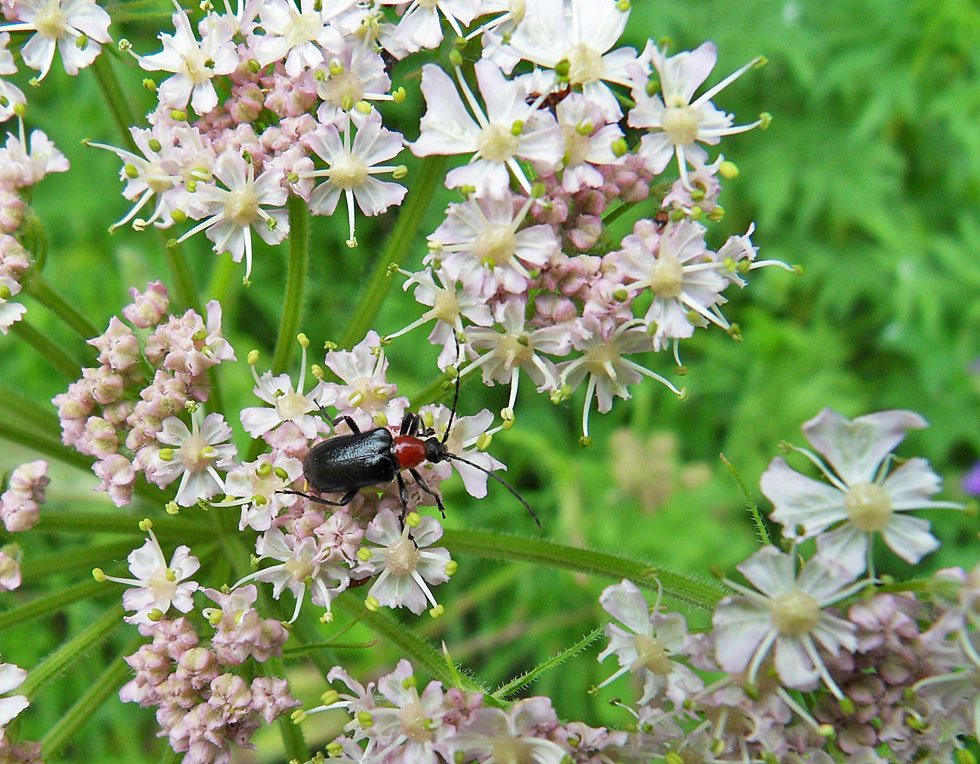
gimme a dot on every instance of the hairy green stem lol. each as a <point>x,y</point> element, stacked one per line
<point>30,411</point>
<point>72,650</point>
<point>122,114</point>
<point>173,528</point>
<point>702,594</point>
<point>37,287</point>
<point>182,274</point>
<point>107,683</point>
<point>57,358</point>
<point>292,734</point>
<point>292,308</point>
<point>400,242</point>
<point>82,558</point>
<point>49,603</point>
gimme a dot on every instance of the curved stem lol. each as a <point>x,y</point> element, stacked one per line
<point>400,242</point>
<point>37,287</point>
<point>292,308</point>
<point>58,358</point>
<point>702,594</point>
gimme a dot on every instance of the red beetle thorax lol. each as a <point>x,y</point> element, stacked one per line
<point>409,451</point>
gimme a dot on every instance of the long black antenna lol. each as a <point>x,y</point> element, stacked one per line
<point>500,480</point>
<point>452,411</point>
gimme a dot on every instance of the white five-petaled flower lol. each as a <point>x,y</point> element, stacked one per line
<point>286,404</point>
<point>788,614</point>
<point>407,568</point>
<point>302,565</point>
<point>414,726</point>
<point>578,34</point>
<point>510,129</point>
<point>157,585</point>
<point>78,28</point>
<point>420,27</point>
<point>236,209</point>
<point>193,63</point>
<point>11,677</point>
<point>191,454</point>
<point>503,737</point>
<point>299,35</point>
<point>468,433</point>
<point>650,646</point>
<point>350,169</point>
<point>257,487</point>
<point>678,121</point>
<point>863,498</point>
<point>481,244</point>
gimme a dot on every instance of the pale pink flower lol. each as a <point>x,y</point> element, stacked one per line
<point>11,677</point>
<point>420,27</point>
<point>10,577</point>
<point>78,28</point>
<point>406,567</point>
<point>510,129</point>
<point>299,35</point>
<point>286,404</point>
<point>157,585</point>
<point>463,441</point>
<point>260,485</point>
<point>414,727</point>
<point>863,498</point>
<point>350,79</point>
<point>23,164</point>
<point>232,212</point>
<point>491,732</point>
<point>789,615</point>
<point>678,121</point>
<point>350,169</point>
<point>194,64</point>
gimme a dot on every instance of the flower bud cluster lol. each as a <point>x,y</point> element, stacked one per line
<point>202,705</point>
<point>124,412</point>
<point>25,491</point>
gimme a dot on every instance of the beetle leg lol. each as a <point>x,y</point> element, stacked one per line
<point>333,422</point>
<point>402,493</point>
<point>344,501</point>
<point>425,487</point>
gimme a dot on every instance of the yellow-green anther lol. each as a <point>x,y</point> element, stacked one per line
<point>336,67</point>
<point>356,399</point>
<point>846,706</point>
<point>428,419</point>
<point>303,340</point>
<point>760,61</point>
<point>130,170</point>
<point>517,127</point>
<point>380,420</point>
<point>170,575</point>
<point>623,5</point>
<point>154,144</point>
<point>178,115</point>
<point>329,697</point>
<point>619,147</point>
<point>698,194</point>
<point>281,473</point>
<point>363,107</point>
<point>766,119</point>
<point>371,604</point>
<point>99,575</point>
<point>272,224</point>
<point>437,611</point>
<point>400,172</point>
<point>621,295</point>
<point>208,452</point>
<point>585,441</point>
<point>320,76</point>
<point>335,749</point>
<point>455,57</point>
<point>5,102</point>
<point>680,371</point>
<point>398,95</point>
<point>213,615</point>
<point>652,86</point>
<point>364,718</point>
<point>451,567</point>
<point>483,442</point>
<point>729,264</point>
<point>254,66</point>
<point>562,68</point>
<point>292,177</point>
<point>81,42</point>
<point>412,519</point>
<point>5,293</point>
<point>317,370</point>
<point>410,681</point>
<point>150,85</point>
<point>718,213</point>
<point>166,454</point>
<point>171,508</point>
<point>252,357</point>
<point>155,615</point>
<point>363,554</point>
<point>585,127</point>
<point>728,170</point>
<point>263,469</point>
<point>259,500</point>
<point>298,716</point>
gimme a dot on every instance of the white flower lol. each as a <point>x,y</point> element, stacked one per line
<point>679,120</point>
<point>510,130</point>
<point>234,212</point>
<point>260,485</point>
<point>788,614</point>
<point>302,565</point>
<point>415,725</point>
<point>349,170</point>
<point>298,35</point>
<point>463,440</point>
<point>11,677</point>
<point>193,64</point>
<point>651,645</point>
<point>482,245</point>
<point>406,567</point>
<point>191,454</point>
<point>285,404</point>
<point>419,26</point>
<point>23,164</point>
<point>863,498</point>
<point>157,585</point>
<point>502,737</point>
<point>578,34</point>
<point>355,77</point>
<point>76,27</point>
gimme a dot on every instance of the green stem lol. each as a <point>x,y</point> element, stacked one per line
<point>26,408</point>
<point>72,650</point>
<point>416,649</point>
<point>182,274</point>
<point>760,523</point>
<point>49,603</point>
<point>172,528</point>
<point>58,359</point>
<point>292,308</point>
<point>430,393</point>
<point>615,214</point>
<point>108,682</point>
<point>122,114</point>
<point>697,593</point>
<point>400,242</point>
<point>292,734</point>
<point>37,287</point>
<point>82,558</point>
<point>526,678</point>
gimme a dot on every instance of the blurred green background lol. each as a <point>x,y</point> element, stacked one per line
<point>868,178</point>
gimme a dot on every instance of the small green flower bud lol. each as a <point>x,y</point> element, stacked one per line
<point>562,68</point>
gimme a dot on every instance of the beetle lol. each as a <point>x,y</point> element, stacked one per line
<point>346,463</point>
